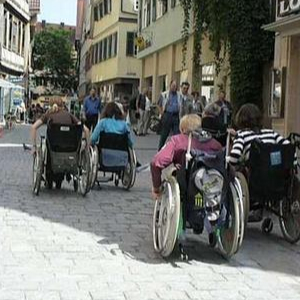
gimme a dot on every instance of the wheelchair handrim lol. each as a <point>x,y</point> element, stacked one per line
<point>164,242</point>
<point>228,250</point>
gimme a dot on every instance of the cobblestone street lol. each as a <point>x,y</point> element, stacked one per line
<point>60,246</point>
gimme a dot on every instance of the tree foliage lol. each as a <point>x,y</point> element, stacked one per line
<point>233,26</point>
<point>53,54</point>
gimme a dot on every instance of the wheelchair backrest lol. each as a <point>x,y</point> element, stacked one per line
<point>113,149</point>
<point>64,138</point>
<point>271,167</point>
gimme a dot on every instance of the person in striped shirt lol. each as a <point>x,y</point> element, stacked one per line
<point>249,123</point>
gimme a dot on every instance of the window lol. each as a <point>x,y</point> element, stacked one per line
<point>5,28</point>
<point>100,52</point>
<point>130,46</point>
<point>109,46</point>
<point>173,3</point>
<point>147,13</point>
<point>104,49</point>
<point>153,10</point>
<point>23,38</point>
<point>96,13</point>
<point>105,7</point>
<point>101,10</point>
<point>10,32</point>
<point>96,54</point>
<point>162,8</point>
<point>20,32</point>
<point>116,44</point>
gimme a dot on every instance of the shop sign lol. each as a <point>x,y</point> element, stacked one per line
<point>288,7</point>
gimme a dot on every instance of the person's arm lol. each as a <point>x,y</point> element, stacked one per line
<point>99,111</point>
<point>34,129</point>
<point>130,139</point>
<point>236,151</point>
<point>160,105</point>
<point>96,133</point>
<point>162,159</point>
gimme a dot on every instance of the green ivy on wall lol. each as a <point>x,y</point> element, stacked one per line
<point>233,26</point>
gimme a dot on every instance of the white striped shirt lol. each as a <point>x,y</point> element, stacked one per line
<point>242,143</point>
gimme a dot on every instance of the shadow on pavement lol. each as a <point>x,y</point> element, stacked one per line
<point>122,221</point>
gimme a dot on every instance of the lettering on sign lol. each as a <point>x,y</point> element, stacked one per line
<point>287,7</point>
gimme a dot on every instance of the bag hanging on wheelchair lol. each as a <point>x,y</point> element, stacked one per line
<point>205,196</point>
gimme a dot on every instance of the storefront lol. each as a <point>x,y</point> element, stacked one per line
<point>284,107</point>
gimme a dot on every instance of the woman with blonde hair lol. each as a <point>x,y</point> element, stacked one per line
<point>174,151</point>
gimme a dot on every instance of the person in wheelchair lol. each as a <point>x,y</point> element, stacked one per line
<point>174,151</point>
<point>55,115</point>
<point>249,122</point>
<point>112,121</point>
<point>212,122</point>
<point>202,193</point>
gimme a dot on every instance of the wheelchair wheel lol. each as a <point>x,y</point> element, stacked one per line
<point>290,219</point>
<point>246,195</point>
<point>166,219</point>
<point>228,234</point>
<point>37,171</point>
<point>241,215</point>
<point>84,172</point>
<point>94,165</point>
<point>129,174</point>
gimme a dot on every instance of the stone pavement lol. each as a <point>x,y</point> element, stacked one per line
<point>60,246</point>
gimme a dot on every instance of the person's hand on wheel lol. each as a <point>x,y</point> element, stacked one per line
<point>156,193</point>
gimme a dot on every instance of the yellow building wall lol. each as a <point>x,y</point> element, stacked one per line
<point>108,20</point>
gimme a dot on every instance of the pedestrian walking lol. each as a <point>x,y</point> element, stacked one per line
<point>141,107</point>
<point>226,108</point>
<point>91,109</point>
<point>147,115</point>
<point>186,101</point>
<point>169,106</point>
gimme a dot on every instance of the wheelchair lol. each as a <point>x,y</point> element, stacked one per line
<point>62,153</point>
<point>114,156</point>
<point>269,183</point>
<point>204,194</point>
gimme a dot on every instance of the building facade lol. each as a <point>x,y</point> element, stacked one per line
<point>84,42</point>
<point>284,107</point>
<point>14,45</point>
<point>160,50</point>
<point>114,69</point>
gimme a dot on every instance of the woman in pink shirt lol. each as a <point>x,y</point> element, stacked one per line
<point>174,151</point>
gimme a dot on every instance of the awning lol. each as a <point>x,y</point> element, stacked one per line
<point>8,85</point>
<point>286,26</point>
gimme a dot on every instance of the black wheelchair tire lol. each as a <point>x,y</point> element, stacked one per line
<point>246,195</point>
<point>289,221</point>
<point>128,182</point>
<point>84,170</point>
<point>37,170</point>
